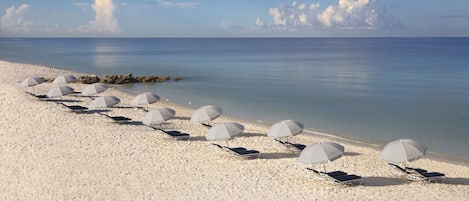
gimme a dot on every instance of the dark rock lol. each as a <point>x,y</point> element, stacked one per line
<point>48,79</point>
<point>148,79</point>
<point>88,79</point>
<point>107,79</point>
<point>120,79</point>
<point>164,79</point>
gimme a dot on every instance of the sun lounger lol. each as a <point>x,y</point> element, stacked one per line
<point>118,119</point>
<point>336,177</point>
<point>294,147</point>
<point>418,174</point>
<point>174,134</point>
<point>346,179</point>
<point>206,125</point>
<point>239,152</point>
<point>397,170</point>
<point>75,108</point>
<point>39,97</point>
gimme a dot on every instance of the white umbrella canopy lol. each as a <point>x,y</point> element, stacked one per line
<point>145,98</point>
<point>32,81</point>
<point>59,91</point>
<point>104,101</point>
<point>403,150</point>
<point>321,153</point>
<point>64,79</point>
<point>206,114</point>
<point>224,131</point>
<point>285,128</point>
<point>158,116</point>
<point>94,89</point>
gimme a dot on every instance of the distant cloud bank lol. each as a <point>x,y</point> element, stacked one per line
<point>347,14</point>
<point>14,19</point>
<point>170,4</point>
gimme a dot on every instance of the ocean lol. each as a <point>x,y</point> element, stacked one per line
<point>372,90</point>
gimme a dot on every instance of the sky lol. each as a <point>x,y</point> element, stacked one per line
<point>234,18</point>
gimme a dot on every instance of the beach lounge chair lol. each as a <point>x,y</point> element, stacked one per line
<point>418,174</point>
<point>294,147</point>
<point>239,152</point>
<point>336,177</point>
<point>118,119</point>
<point>75,108</point>
<point>40,97</point>
<point>344,179</point>
<point>397,170</point>
<point>174,134</point>
<point>206,125</point>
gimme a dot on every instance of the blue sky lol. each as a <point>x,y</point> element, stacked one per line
<point>234,18</point>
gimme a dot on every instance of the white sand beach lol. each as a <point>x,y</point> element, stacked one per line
<point>50,153</point>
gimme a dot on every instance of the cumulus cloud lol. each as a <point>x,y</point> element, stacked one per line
<point>104,19</point>
<point>347,14</point>
<point>170,4</point>
<point>14,19</point>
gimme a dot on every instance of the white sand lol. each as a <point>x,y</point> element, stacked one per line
<point>49,153</point>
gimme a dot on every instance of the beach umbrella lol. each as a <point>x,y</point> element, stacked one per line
<point>32,81</point>
<point>145,98</point>
<point>403,150</point>
<point>94,89</point>
<point>321,153</point>
<point>104,101</point>
<point>285,128</point>
<point>206,114</point>
<point>59,91</point>
<point>64,79</point>
<point>158,116</point>
<point>224,131</point>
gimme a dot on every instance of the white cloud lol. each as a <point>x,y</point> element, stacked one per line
<point>104,20</point>
<point>170,4</point>
<point>81,5</point>
<point>14,19</point>
<point>259,22</point>
<point>223,24</point>
<point>347,14</point>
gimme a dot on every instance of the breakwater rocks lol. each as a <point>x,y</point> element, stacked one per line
<point>122,79</point>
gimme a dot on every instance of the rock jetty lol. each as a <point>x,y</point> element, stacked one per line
<point>121,79</point>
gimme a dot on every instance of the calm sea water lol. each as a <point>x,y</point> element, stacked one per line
<point>368,89</point>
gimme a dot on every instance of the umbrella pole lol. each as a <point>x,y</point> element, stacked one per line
<point>227,143</point>
<point>324,166</point>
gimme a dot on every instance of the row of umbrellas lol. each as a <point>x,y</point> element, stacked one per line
<point>62,79</point>
<point>402,150</point>
<point>398,151</point>
<point>65,90</point>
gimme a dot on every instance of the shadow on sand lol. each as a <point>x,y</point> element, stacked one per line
<point>278,155</point>
<point>252,134</point>
<point>457,181</point>
<point>197,138</point>
<point>383,181</point>
<point>351,154</point>
<point>182,118</point>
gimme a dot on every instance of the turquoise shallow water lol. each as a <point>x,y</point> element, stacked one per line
<point>368,89</point>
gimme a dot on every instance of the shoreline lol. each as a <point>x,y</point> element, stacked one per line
<point>307,131</point>
<point>49,153</point>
